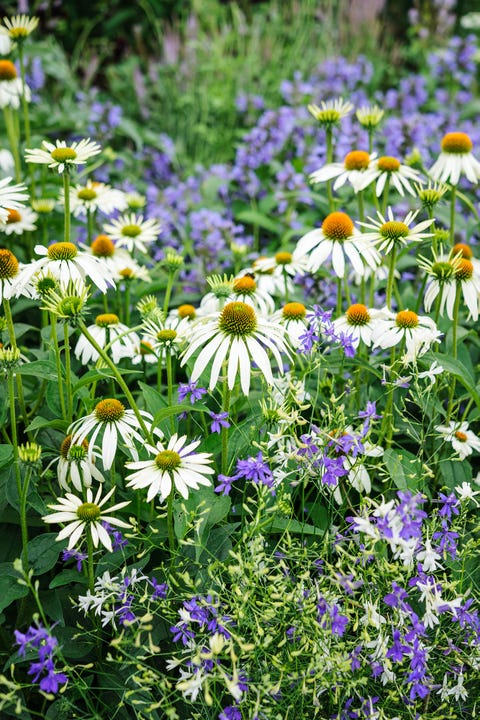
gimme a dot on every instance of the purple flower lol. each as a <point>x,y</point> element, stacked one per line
<point>219,421</point>
<point>225,484</point>
<point>159,589</point>
<point>256,470</point>
<point>190,388</point>
<point>39,638</point>
<point>75,555</point>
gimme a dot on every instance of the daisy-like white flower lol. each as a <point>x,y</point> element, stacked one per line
<point>86,516</point>
<point>456,159</point>
<point>350,170</point>
<point>330,112</point>
<point>108,253</point>
<point>293,316</point>
<point>281,264</point>
<point>66,263</point>
<point>339,240</point>
<point>63,156</point>
<point>109,333</point>
<point>167,336</point>
<point>358,323</point>
<point>389,233</point>
<point>7,163</point>
<point>246,290</point>
<point>446,272</point>
<point>18,27</point>
<point>144,352</point>
<point>9,270</point>
<point>238,336</point>
<point>11,86</point>
<point>95,196</point>
<point>75,467</point>
<point>133,232</point>
<point>418,332</point>
<point>19,221</point>
<point>389,168</point>
<point>11,197</point>
<point>369,116</point>
<point>463,440</point>
<point>110,419</point>
<point>174,465</point>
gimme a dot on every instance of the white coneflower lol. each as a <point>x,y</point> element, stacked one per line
<point>75,467</point>
<point>95,196</point>
<point>11,197</point>
<point>19,221</point>
<point>351,170</point>
<point>18,27</point>
<point>176,465</point>
<point>293,318</point>
<point>246,290</point>
<point>81,515</point>
<point>358,323</point>
<point>133,232</point>
<point>446,273</point>
<point>389,233</point>
<point>65,262</point>
<point>9,271</point>
<point>107,331</point>
<point>456,159</point>
<point>111,420</point>
<point>62,156</point>
<point>11,86</point>
<point>390,168</point>
<point>463,440</point>
<point>238,337</point>
<point>337,240</point>
<point>369,116</point>
<point>417,331</point>
<point>330,112</point>
<point>167,336</point>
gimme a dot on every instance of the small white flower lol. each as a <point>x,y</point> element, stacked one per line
<point>456,159</point>
<point>62,156</point>
<point>432,372</point>
<point>80,515</point>
<point>389,233</point>
<point>389,168</point>
<point>11,197</point>
<point>359,323</point>
<point>466,492</point>
<point>11,86</point>
<point>463,440</point>
<point>75,467</point>
<point>133,232</point>
<point>19,221</point>
<point>95,196</point>
<point>110,334</point>
<point>175,465</point>
<point>351,170</point>
<point>418,332</point>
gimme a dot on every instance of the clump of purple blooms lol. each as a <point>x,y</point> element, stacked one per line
<point>42,670</point>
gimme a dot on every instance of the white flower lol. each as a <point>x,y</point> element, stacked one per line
<point>417,331</point>
<point>19,27</point>
<point>110,334</point>
<point>428,557</point>
<point>432,372</point>
<point>339,240</point>
<point>246,290</point>
<point>358,323</point>
<point>236,336</point>
<point>110,419</point>
<point>81,515</point>
<point>65,262</point>
<point>75,466</point>
<point>463,440</point>
<point>133,232</point>
<point>330,111</point>
<point>456,159</point>
<point>61,155</point>
<point>95,196</point>
<point>11,197</point>
<point>293,318</point>
<point>9,274</point>
<point>19,221</point>
<point>7,163</point>
<point>466,492</point>
<point>389,168</point>
<point>351,170</point>
<point>167,336</point>
<point>389,233</point>
<point>11,86</point>
<point>175,465</point>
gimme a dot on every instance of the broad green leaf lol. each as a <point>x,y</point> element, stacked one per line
<point>405,470</point>
<point>293,526</point>
<point>67,577</point>
<point>39,368</point>
<point>176,410</point>
<point>461,372</point>
<point>43,552</point>
<point>10,588</point>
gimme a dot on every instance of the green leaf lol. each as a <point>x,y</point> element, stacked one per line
<point>405,469</point>
<point>253,217</point>
<point>293,526</point>
<point>6,455</point>
<point>461,372</point>
<point>154,401</point>
<point>176,410</point>
<point>41,422</point>
<point>40,369</point>
<point>10,588</point>
<point>43,552</point>
<point>67,577</point>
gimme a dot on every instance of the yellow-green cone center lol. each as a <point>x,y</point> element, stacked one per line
<point>86,194</point>
<point>62,251</point>
<point>167,460</point>
<point>102,246</point>
<point>406,319</point>
<point>106,319</point>
<point>237,318</point>
<point>63,154</point>
<point>109,410</point>
<point>283,258</point>
<point>388,164</point>
<point>166,336</point>
<point>244,285</point>
<point>88,512</point>
<point>8,264</point>
<point>8,70</point>
<point>442,270</point>
<point>131,230</point>
<point>294,311</point>
<point>394,231</point>
<point>186,310</point>
<point>464,269</point>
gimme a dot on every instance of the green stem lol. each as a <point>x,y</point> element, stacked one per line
<point>168,291</point>
<point>18,476</point>
<point>329,142</point>
<point>170,523</point>
<point>385,195</point>
<point>90,226</point>
<point>26,118</point>
<point>127,302</point>
<point>168,364</point>
<point>391,277</point>
<point>90,568</point>
<point>452,214</point>
<point>58,362</point>
<point>66,192</point>
<point>119,380</point>
<point>13,342</point>
<point>225,408</point>
<point>339,296</point>
<point>13,140</point>
<point>68,373</point>
<point>456,309</point>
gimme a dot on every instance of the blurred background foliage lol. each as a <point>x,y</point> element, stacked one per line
<point>179,67</point>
